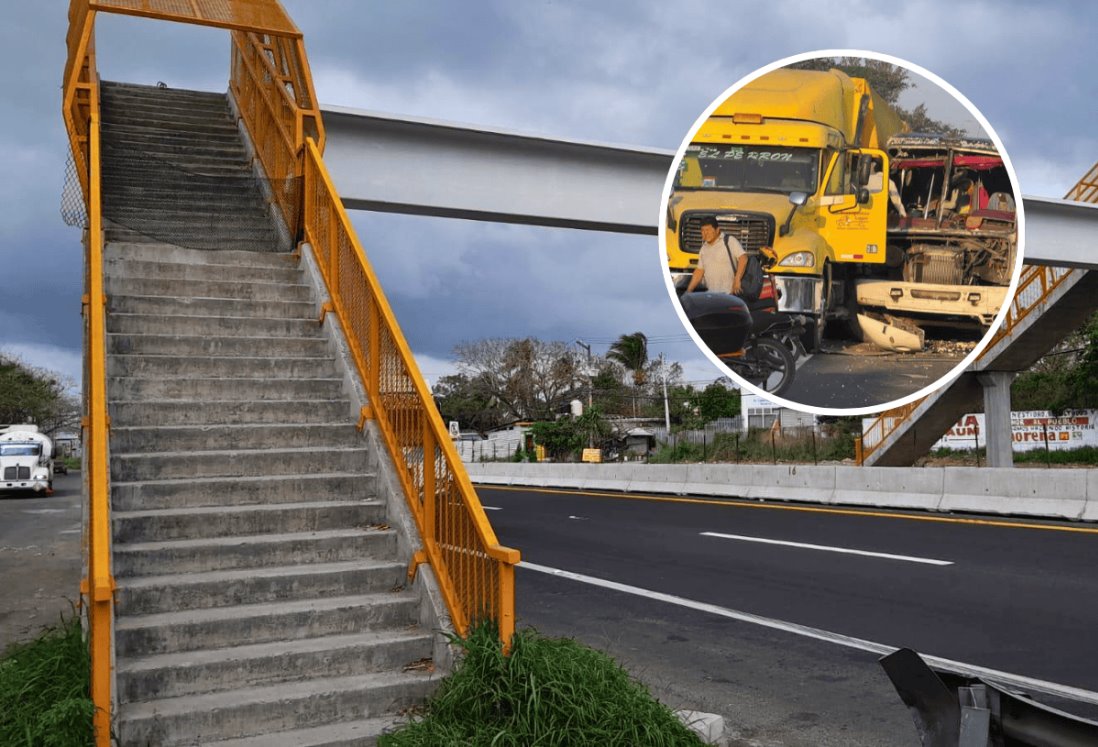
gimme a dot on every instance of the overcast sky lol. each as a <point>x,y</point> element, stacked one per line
<point>621,72</point>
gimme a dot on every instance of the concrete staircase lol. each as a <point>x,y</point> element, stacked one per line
<point>175,170</point>
<point>261,586</point>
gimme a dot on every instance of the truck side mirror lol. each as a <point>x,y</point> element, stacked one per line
<point>862,195</point>
<point>797,199</point>
<point>865,164</point>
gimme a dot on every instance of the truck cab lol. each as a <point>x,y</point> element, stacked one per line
<point>26,460</point>
<point>788,162</point>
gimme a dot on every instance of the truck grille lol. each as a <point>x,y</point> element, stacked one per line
<point>753,230</point>
<point>17,473</point>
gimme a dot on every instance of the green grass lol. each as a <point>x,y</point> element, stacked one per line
<point>550,692</point>
<point>757,448</point>
<point>1082,456</point>
<point>44,687</point>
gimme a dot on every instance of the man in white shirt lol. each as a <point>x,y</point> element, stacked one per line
<point>719,261</point>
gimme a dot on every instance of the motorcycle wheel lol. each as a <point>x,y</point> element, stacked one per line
<point>773,367</point>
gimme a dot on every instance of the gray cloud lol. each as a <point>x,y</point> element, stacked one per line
<point>618,71</point>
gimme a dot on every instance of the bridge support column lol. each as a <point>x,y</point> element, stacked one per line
<point>997,431</point>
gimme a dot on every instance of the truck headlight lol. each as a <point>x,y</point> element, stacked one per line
<point>799,259</point>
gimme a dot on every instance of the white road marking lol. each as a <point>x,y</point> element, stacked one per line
<point>828,548</point>
<point>491,508</point>
<point>71,531</point>
<point>578,518</point>
<point>968,670</point>
<point>44,510</point>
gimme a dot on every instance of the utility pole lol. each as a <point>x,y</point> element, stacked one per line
<point>666,407</point>
<point>587,347</point>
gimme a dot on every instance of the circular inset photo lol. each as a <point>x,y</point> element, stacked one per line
<point>842,232</point>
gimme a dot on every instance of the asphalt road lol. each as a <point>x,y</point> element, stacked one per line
<point>1016,597</point>
<point>40,561</point>
<point>846,379</point>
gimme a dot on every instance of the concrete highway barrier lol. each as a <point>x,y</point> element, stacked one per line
<point>1052,493</point>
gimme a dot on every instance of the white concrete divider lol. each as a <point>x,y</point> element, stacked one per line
<point>1090,511</point>
<point>1058,493</point>
<point>892,487</point>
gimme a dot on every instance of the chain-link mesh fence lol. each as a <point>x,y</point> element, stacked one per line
<point>73,208</point>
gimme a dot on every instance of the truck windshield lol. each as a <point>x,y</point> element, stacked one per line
<point>20,449</point>
<point>749,168</point>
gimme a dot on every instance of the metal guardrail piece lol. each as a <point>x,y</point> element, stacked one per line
<point>950,710</point>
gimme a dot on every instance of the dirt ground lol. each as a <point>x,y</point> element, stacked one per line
<point>40,558</point>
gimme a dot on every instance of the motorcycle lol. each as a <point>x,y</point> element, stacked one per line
<point>755,340</point>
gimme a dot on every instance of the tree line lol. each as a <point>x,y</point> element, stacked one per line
<point>505,380</point>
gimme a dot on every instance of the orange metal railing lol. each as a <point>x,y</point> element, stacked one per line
<point>80,109</point>
<point>475,573</point>
<point>273,90</point>
<point>1035,285</point>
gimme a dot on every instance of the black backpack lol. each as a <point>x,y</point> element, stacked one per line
<point>752,281</point>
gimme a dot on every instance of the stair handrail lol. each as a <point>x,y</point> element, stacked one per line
<point>1035,285</point>
<point>475,573</point>
<point>80,110</point>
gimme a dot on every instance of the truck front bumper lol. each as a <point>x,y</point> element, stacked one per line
<point>799,294</point>
<point>38,486</point>
<point>977,302</point>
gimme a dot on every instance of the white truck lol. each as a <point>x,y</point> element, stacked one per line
<point>26,459</point>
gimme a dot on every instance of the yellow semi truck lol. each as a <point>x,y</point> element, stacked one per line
<point>802,161</point>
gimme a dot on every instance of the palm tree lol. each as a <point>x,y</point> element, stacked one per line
<point>631,351</point>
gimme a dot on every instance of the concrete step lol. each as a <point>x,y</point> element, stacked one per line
<point>213,627</point>
<point>210,437</point>
<point>196,389</point>
<point>360,733</point>
<point>156,252</point>
<point>216,214</point>
<point>132,164</point>
<point>200,719</point>
<point>169,115</point>
<point>120,89</point>
<point>251,551</point>
<point>207,242</point>
<point>163,525</point>
<point>185,412</point>
<point>125,140</point>
<point>210,242</point>
<point>222,669</point>
<point>181,288</point>
<point>198,492</point>
<point>122,267</point>
<point>154,127</point>
<point>167,366</point>
<point>190,192</point>
<point>205,227</point>
<point>144,137</point>
<point>240,463</point>
<point>187,306</point>
<point>144,595</point>
<point>214,326</point>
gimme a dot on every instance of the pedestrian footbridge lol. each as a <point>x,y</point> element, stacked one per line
<point>277,525</point>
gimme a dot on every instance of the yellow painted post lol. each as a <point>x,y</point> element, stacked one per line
<point>859,459</point>
<point>373,375</point>
<point>429,497</point>
<point>102,591</point>
<point>333,252</point>
<point>506,604</point>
